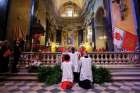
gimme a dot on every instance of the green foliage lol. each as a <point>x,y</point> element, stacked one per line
<point>43,72</point>
<point>50,75</point>
<point>101,75</point>
<point>55,76</point>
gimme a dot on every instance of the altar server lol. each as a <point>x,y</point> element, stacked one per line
<point>86,77</point>
<point>67,73</point>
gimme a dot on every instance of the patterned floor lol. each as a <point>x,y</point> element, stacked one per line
<point>36,87</point>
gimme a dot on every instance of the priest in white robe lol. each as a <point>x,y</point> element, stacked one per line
<point>74,57</point>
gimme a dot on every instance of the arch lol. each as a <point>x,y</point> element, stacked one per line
<point>70,4</point>
<point>99,15</point>
<point>99,26</point>
<point>59,3</point>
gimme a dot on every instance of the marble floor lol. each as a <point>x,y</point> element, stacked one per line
<point>37,87</point>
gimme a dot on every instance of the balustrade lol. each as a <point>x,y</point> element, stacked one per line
<point>45,58</point>
<point>97,58</point>
<point>115,57</point>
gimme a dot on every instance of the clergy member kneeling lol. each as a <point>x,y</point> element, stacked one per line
<point>86,77</point>
<point>67,73</point>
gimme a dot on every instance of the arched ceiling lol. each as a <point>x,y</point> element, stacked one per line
<point>59,3</point>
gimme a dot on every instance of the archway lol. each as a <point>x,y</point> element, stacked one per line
<point>100,33</point>
<point>70,10</point>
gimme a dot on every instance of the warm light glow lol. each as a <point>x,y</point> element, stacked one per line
<point>42,40</point>
<point>69,12</point>
<point>53,47</point>
<point>102,37</point>
<point>89,33</point>
<point>75,15</point>
<point>63,15</point>
<point>105,37</point>
<point>87,46</point>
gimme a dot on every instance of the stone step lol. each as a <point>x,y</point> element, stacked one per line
<point>131,66</point>
<point>124,70</point>
<point>118,72</point>
<point>126,78</point>
<point>18,74</point>
<point>20,78</point>
<point>123,67</point>
<point>125,74</point>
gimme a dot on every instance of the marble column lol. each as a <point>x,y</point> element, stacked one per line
<point>137,11</point>
<point>108,25</point>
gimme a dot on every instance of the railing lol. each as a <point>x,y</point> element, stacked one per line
<point>27,58</point>
<point>97,57</point>
<point>115,57</point>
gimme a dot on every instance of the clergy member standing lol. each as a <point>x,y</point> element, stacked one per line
<point>74,57</point>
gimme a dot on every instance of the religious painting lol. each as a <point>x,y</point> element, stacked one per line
<point>64,38</point>
<point>123,15</point>
<point>70,38</point>
<point>123,9</point>
<point>120,9</point>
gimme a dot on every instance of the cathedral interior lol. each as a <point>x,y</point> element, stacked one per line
<point>57,24</point>
<point>35,35</point>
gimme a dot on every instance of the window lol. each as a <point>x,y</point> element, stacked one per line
<point>69,12</point>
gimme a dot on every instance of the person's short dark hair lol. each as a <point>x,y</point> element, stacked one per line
<point>73,49</point>
<point>66,57</point>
